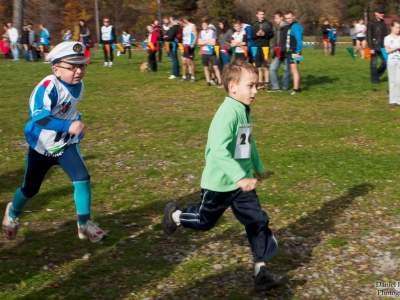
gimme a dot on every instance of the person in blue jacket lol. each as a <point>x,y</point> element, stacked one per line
<point>294,45</point>
<point>332,36</point>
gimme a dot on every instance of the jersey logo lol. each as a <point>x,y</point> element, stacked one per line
<point>65,106</point>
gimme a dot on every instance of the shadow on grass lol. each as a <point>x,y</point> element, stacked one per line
<point>10,181</point>
<point>312,80</point>
<point>138,256</point>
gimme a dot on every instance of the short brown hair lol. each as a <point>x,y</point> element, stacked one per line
<point>261,10</point>
<point>234,71</point>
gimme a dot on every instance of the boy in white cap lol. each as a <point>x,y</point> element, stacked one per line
<point>53,134</point>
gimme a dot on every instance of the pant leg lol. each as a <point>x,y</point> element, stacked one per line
<point>15,51</point>
<point>333,45</point>
<point>374,70</point>
<point>175,63</point>
<point>286,74</point>
<point>159,53</point>
<point>72,163</point>
<point>273,73</point>
<point>36,167</point>
<point>247,209</point>
<point>105,53</point>
<point>129,51</point>
<point>152,60</point>
<point>204,215</point>
<point>111,54</point>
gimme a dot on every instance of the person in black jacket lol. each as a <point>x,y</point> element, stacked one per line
<point>376,32</point>
<point>173,37</point>
<point>325,32</point>
<point>261,33</point>
<point>25,43</point>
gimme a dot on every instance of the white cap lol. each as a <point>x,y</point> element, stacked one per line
<point>69,52</point>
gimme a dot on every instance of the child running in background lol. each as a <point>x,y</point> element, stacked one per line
<point>392,47</point>
<point>53,134</point>
<point>126,40</point>
<point>227,178</point>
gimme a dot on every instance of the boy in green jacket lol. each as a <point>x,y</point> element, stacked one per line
<point>227,179</point>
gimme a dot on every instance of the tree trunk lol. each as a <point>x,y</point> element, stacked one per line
<point>18,14</point>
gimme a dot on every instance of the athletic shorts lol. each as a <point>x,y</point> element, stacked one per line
<point>207,58</point>
<point>260,59</point>
<point>360,39</point>
<point>189,53</point>
<point>325,40</point>
<point>291,60</point>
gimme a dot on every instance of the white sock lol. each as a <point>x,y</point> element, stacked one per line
<point>257,268</point>
<point>184,77</point>
<point>175,216</point>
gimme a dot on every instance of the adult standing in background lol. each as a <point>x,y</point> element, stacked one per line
<point>354,37</point>
<point>152,38</point>
<point>326,27</point>
<point>294,45</point>
<point>361,29</point>
<point>280,55</point>
<point>13,37</point>
<point>261,33</point>
<point>189,39</point>
<point>376,33</point>
<point>84,37</point>
<point>25,43</point>
<point>33,43</point>
<point>157,28</point>
<point>45,41</point>
<point>107,39</point>
<point>173,35</point>
<point>224,40</point>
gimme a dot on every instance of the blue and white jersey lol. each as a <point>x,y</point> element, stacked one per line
<point>107,33</point>
<point>53,106</point>
<point>126,40</point>
<point>44,37</point>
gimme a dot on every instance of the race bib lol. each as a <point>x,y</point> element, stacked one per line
<point>243,142</point>
<point>42,40</point>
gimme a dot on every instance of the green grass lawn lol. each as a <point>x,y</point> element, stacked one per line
<point>332,155</point>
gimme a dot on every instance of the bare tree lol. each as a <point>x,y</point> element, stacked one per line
<point>18,14</point>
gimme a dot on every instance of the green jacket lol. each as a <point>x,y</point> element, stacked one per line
<point>222,170</point>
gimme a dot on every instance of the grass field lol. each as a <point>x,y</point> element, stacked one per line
<point>332,155</point>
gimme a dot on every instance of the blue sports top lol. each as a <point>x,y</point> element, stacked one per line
<point>44,37</point>
<point>53,106</point>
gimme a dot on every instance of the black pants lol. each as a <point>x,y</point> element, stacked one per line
<point>333,45</point>
<point>152,61</point>
<point>159,53</point>
<point>129,51</point>
<point>246,208</point>
<point>106,53</point>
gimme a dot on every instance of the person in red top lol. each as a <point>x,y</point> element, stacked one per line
<point>158,29</point>
<point>152,47</point>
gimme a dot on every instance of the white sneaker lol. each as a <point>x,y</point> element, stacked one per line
<point>10,225</point>
<point>92,231</point>
<point>110,64</point>
<point>106,64</point>
<point>118,53</point>
<point>171,77</point>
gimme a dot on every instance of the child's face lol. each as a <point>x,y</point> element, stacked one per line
<point>237,27</point>
<point>204,26</point>
<point>396,29</point>
<point>246,89</point>
<point>70,73</point>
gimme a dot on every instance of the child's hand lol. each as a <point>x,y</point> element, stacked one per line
<point>77,127</point>
<point>247,184</point>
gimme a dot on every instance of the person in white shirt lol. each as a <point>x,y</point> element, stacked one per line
<point>13,36</point>
<point>392,47</point>
<point>361,43</point>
